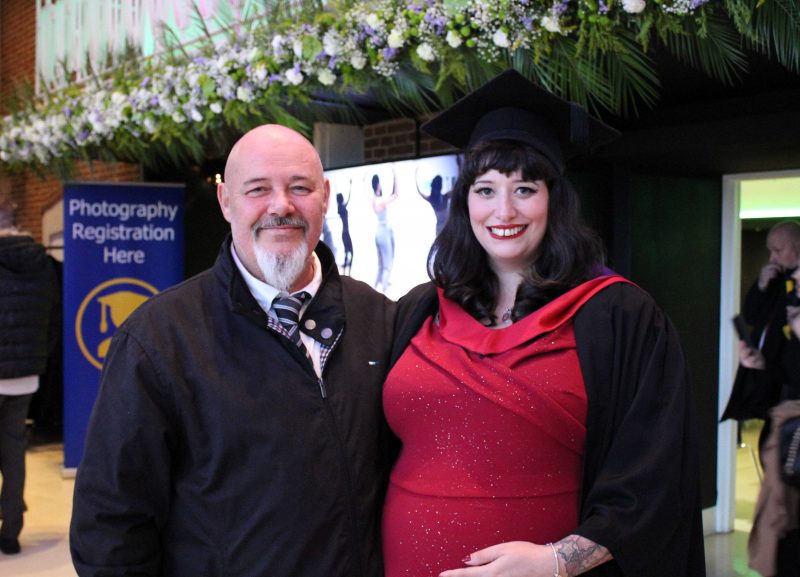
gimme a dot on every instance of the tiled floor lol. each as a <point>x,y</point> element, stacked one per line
<point>45,549</point>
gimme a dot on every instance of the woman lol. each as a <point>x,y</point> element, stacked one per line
<point>384,235</point>
<point>543,409</point>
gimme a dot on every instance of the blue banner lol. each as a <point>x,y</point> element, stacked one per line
<point>123,243</point>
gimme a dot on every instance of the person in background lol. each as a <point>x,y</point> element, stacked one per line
<point>439,201</point>
<point>347,241</point>
<point>28,299</point>
<point>764,309</point>
<point>774,541</point>
<point>384,234</point>
<point>238,429</point>
<point>542,402</point>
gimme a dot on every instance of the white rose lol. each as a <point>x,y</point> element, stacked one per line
<point>244,94</point>
<point>294,77</point>
<point>178,117</point>
<point>395,39</point>
<point>277,40</point>
<point>297,48</point>
<point>633,6</point>
<point>118,98</point>
<point>454,39</point>
<point>196,116</point>
<point>215,107</point>
<point>326,77</point>
<point>551,24</point>
<point>358,61</point>
<point>425,51</point>
<point>259,73</point>
<point>149,125</point>
<point>500,38</point>
<point>373,21</point>
<point>331,43</point>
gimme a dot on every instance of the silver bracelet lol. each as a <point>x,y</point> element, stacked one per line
<point>556,573</point>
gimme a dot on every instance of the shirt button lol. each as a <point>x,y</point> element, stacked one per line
<point>326,333</point>
<point>310,324</point>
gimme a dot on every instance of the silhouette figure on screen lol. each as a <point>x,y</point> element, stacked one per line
<point>440,203</point>
<point>384,235</point>
<point>347,242</point>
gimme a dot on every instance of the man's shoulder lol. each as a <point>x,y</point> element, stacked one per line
<point>181,300</point>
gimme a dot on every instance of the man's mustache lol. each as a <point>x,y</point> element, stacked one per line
<point>279,221</point>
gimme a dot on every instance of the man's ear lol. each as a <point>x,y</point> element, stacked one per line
<point>223,197</point>
<point>326,187</point>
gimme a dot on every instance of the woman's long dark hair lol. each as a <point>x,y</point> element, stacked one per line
<point>570,253</point>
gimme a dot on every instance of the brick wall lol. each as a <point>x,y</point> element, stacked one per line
<point>17,46</point>
<point>32,193</point>
<point>399,139</point>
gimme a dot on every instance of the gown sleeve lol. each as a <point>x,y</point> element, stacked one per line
<point>641,484</point>
<point>119,513</point>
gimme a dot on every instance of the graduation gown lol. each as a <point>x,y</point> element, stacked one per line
<point>640,493</point>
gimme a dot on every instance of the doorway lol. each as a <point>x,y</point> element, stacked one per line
<point>751,204</point>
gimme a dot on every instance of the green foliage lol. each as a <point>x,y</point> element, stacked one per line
<point>296,63</point>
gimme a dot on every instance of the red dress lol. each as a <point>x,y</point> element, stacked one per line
<point>493,425</point>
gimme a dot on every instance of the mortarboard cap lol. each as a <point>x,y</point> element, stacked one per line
<point>510,107</point>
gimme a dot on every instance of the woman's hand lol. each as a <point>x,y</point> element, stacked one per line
<point>513,559</point>
<point>574,554</point>
<point>751,358</point>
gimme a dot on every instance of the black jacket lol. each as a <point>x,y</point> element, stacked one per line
<point>211,451</point>
<point>28,293</point>
<point>754,391</point>
<point>640,495</point>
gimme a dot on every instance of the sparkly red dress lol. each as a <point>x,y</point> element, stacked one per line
<point>492,423</point>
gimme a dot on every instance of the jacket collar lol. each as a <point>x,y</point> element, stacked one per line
<point>324,318</point>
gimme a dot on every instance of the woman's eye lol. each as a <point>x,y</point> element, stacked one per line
<point>483,191</point>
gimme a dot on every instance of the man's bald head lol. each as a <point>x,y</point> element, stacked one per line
<point>275,196</point>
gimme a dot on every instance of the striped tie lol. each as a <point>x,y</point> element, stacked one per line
<point>287,309</point>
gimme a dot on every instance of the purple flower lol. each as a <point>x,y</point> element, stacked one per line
<point>561,7</point>
<point>389,53</point>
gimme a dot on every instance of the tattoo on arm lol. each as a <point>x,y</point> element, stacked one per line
<point>580,554</point>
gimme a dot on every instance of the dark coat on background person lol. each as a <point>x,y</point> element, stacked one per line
<point>211,450</point>
<point>755,392</point>
<point>640,494</point>
<point>28,293</point>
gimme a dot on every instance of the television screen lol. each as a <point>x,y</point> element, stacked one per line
<point>383,218</point>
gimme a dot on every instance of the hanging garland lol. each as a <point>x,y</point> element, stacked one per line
<point>298,66</point>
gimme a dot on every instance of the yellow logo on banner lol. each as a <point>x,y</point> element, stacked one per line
<point>103,310</point>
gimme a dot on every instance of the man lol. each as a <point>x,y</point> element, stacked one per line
<point>27,298</point>
<point>222,443</point>
<point>764,309</point>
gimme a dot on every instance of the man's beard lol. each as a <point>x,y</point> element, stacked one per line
<point>281,270</point>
